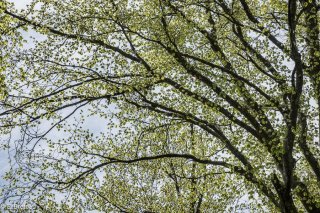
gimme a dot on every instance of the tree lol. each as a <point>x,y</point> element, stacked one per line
<point>201,105</point>
<point>9,38</point>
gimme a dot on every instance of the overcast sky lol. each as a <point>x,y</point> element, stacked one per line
<point>20,4</point>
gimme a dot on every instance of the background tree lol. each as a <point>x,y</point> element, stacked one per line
<point>195,106</point>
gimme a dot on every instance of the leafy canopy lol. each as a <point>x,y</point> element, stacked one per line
<point>162,105</point>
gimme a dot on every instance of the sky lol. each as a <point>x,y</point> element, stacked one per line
<point>20,4</point>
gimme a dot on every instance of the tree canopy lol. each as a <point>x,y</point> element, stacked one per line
<point>161,105</point>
